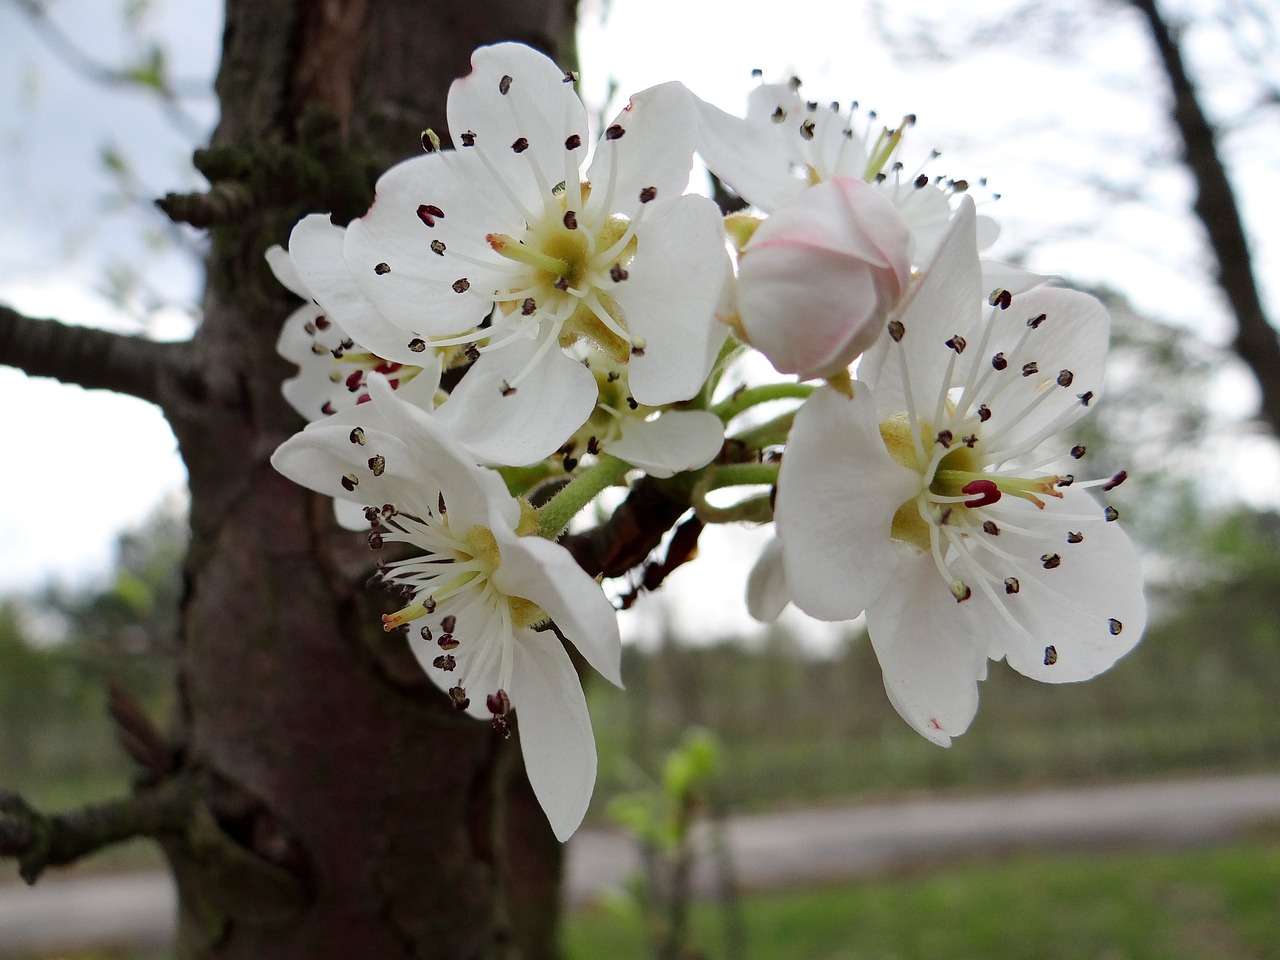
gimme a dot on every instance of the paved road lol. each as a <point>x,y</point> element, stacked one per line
<point>768,851</point>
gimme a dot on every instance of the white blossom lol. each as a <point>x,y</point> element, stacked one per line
<point>485,605</point>
<point>926,500</point>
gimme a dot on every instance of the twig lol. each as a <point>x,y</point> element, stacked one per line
<point>38,841</point>
<point>96,359</point>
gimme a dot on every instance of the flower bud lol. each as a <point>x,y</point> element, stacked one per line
<point>819,277</point>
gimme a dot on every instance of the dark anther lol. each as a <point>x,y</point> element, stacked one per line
<point>499,704</point>
<point>617,274</point>
<point>468,139</point>
<point>461,285</point>
<point>570,464</point>
<point>429,213</point>
<point>375,540</point>
<point>1035,322</point>
<point>957,343</point>
<point>999,362</point>
<point>529,307</point>
<point>959,186</point>
<point>1111,514</point>
<point>614,132</point>
<point>984,492</point>
<point>349,481</point>
<point>429,141</point>
<point>944,437</point>
<point>811,105</point>
<point>521,145</point>
<point>896,330</point>
<point>961,591</point>
<point>921,182</point>
<point>417,345</point>
<point>372,515</point>
<point>1050,655</point>
<point>310,328</point>
<point>778,115</point>
<point>984,413</point>
<point>442,508</point>
<point>327,408</point>
<point>322,323</point>
<point>1077,451</point>
<point>1011,585</point>
<point>437,247</point>
<point>794,83</point>
<point>631,402</point>
<point>449,623</point>
<point>506,389</point>
<point>472,352</point>
<point>1085,397</point>
<point>756,73</point>
<point>429,604</point>
<point>1000,298</point>
<point>501,726</point>
<point>1030,369</point>
<point>458,697</point>
<point>377,464</point>
<point>1115,481</point>
<point>1115,626</point>
<point>613,376</point>
<point>1074,537</point>
<point>570,220</point>
<point>425,633</point>
<point>570,76</point>
<point>1065,480</point>
<point>504,85</point>
<point>355,380</point>
<point>881,178</point>
<point>648,194</point>
<point>593,446</point>
<point>1050,560</point>
<point>573,141</point>
<point>991,528</point>
<point>356,435</point>
<point>970,441</point>
<point>806,129</point>
<point>445,662</point>
<point>381,268</point>
<point>637,351</point>
<point>1065,377</point>
<point>562,283</point>
<point>447,641</point>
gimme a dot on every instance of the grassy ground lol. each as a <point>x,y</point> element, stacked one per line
<point>1220,904</point>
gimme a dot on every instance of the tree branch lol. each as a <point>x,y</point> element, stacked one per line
<point>38,841</point>
<point>1256,342</point>
<point>96,359</point>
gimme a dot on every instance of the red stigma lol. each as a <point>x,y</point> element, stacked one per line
<point>986,490</point>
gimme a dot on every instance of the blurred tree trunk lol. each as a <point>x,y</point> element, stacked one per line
<point>346,810</point>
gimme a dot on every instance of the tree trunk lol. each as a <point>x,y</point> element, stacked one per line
<point>348,811</point>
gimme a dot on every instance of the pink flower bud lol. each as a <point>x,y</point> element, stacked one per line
<point>820,275</point>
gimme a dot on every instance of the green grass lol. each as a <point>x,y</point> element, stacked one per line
<point>1219,904</point>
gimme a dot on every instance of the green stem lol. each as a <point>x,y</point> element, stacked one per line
<point>726,410</point>
<point>555,514</point>
<point>767,434</point>
<point>741,474</point>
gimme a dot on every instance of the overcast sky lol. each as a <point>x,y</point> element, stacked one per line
<point>1037,115</point>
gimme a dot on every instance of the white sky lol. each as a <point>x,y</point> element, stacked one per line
<point>81,465</point>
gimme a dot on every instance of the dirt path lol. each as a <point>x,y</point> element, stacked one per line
<point>768,851</point>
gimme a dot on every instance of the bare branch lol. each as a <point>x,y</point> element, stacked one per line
<point>1216,207</point>
<point>37,840</point>
<point>96,359</point>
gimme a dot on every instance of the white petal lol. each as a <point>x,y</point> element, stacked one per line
<point>1069,607</point>
<point>670,298</point>
<point>390,254</point>
<point>929,651</point>
<point>748,158</point>
<point>672,442</point>
<point>767,594</point>
<point>1069,346</point>
<point>472,494</point>
<point>944,301</point>
<point>555,730</point>
<point>282,266</point>
<point>315,245</point>
<point>838,490</point>
<point>547,574</point>
<point>655,150</point>
<point>539,106</point>
<point>552,401</point>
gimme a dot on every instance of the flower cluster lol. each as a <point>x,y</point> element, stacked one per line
<point>536,315</point>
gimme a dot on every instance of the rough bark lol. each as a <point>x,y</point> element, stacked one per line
<point>1256,341</point>
<point>346,809</point>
